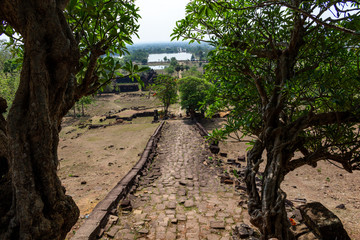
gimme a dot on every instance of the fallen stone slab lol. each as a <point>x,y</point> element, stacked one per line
<point>341,206</point>
<point>214,149</point>
<point>324,223</point>
<point>111,116</point>
<point>223,154</point>
<point>93,126</point>
<point>113,231</point>
<point>242,232</point>
<point>241,158</point>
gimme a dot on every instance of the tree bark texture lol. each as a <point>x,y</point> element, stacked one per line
<point>267,206</point>
<point>39,208</point>
<point>5,180</point>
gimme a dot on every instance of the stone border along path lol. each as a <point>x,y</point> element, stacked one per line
<point>92,227</point>
<point>180,196</point>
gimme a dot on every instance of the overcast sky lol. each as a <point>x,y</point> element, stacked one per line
<point>158,18</point>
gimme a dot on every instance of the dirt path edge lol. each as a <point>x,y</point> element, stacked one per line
<point>98,217</point>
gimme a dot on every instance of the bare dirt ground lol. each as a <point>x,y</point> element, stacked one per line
<point>326,184</point>
<point>93,161</point>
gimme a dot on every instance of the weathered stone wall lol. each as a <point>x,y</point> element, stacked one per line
<point>99,216</point>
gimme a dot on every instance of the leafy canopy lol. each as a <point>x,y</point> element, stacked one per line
<point>195,93</point>
<point>9,76</point>
<point>283,61</point>
<point>102,29</point>
<point>165,88</point>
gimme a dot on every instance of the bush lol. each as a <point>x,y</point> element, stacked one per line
<point>165,90</point>
<point>194,94</point>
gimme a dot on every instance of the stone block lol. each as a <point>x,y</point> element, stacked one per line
<point>324,223</point>
<point>113,231</point>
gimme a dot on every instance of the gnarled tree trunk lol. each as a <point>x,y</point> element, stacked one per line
<point>39,208</point>
<point>267,211</point>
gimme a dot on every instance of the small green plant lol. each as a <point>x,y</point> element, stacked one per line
<point>235,173</point>
<point>210,158</point>
<point>319,170</point>
<point>70,175</point>
<point>328,179</point>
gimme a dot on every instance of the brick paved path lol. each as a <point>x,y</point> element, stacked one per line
<point>180,197</point>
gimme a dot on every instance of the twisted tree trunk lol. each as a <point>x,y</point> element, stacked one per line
<point>39,207</point>
<point>267,210</point>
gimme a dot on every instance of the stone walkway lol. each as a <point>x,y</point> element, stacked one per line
<point>180,197</point>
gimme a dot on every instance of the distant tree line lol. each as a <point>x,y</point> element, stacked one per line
<point>138,55</point>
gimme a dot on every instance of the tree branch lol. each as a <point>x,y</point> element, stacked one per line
<point>89,78</point>
<point>314,18</point>
<point>304,13</point>
<point>322,119</point>
<point>321,154</point>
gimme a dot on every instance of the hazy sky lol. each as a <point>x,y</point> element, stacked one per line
<point>158,18</point>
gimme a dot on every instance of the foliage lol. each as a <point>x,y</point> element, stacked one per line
<point>8,86</point>
<point>9,77</point>
<point>195,93</point>
<point>83,103</point>
<point>103,29</point>
<point>169,70</point>
<point>10,66</point>
<point>192,72</point>
<point>165,89</point>
<point>179,68</point>
<point>173,62</point>
<point>139,55</point>
<point>289,78</point>
<point>5,54</point>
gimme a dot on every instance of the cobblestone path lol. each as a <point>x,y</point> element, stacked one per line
<point>180,197</point>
